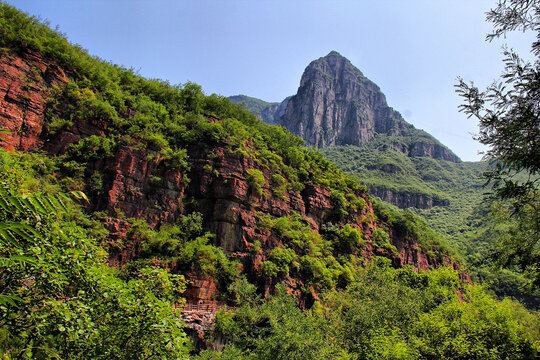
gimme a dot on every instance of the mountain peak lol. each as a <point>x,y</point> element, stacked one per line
<point>334,53</point>
<point>334,64</point>
<point>335,57</point>
<point>337,105</point>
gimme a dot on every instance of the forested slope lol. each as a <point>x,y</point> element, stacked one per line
<point>180,183</point>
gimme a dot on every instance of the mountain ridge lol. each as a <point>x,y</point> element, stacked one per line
<point>337,105</point>
<point>191,197</point>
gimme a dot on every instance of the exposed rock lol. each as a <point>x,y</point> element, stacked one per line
<point>26,82</point>
<point>137,182</point>
<point>274,112</point>
<point>268,112</point>
<point>406,200</point>
<point>337,105</point>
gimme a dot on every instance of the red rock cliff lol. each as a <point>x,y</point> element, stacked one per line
<point>139,184</point>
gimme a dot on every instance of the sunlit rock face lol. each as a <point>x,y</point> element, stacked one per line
<point>337,105</point>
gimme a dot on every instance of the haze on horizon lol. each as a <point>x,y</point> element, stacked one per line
<point>413,51</point>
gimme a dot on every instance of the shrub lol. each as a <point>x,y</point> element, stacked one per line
<point>255,179</point>
<point>339,203</point>
<point>278,186</point>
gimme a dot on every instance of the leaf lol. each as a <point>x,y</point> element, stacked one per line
<point>23,259</point>
<point>16,202</point>
<point>50,205</point>
<point>29,206</point>
<point>5,205</point>
<point>8,237</point>
<point>38,204</point>
<point>59,205</point>
<point>9,299</point>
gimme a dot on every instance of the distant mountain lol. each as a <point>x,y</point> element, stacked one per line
<point>339,110</point>
<point>268,112</point>
<point>337,105</point>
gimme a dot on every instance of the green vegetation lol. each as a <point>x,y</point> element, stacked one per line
<point>60,299</point>
<point>454,188</point>
<point>185,246</point>
<point>384,314</point>
<point>256,106</point>
<point>58,296</point>
<point>165,121</point>
<point>465,225</point>
<point>255,179</point>
<point>156,116</point>
<point>321,260</point>
<point>508,115</point>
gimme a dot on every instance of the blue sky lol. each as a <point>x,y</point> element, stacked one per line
<point>414,50</point>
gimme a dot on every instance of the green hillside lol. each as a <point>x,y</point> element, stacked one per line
<point>458,210</point>
<point>457,187</point>
<point>254,105</point>
<point>180,184</point>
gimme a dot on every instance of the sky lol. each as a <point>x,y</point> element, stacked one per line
<point>413,50</point>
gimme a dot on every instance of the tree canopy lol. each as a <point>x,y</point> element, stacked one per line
<point>509,122</point>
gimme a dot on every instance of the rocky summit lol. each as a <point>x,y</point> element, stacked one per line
<point>337,105</point>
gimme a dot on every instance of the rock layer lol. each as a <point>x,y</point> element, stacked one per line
<point>405,200</point>
<point>26,82</point>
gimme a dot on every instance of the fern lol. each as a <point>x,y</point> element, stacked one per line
<point>34,205</point>
<point>12,232</point>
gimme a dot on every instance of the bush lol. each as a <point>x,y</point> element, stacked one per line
<point>256,180</point>
<point>349,238</point>
<point>278,185</point>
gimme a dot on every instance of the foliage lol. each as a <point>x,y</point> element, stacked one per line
<point>185,246</point>
<point>58,298</point>
<point>381,239</point>
<point>277,329</point>
<point>384,314</point>
<point>464,226</point>
<point>279,186</point>
<point>476,328</point>
<point>255,179</point>
<point>62,300</point>
<point>517,245</point>
<point>508,115</point>
<point>258,107</point>
<point>406,224</point>
<point>312,256</point>
<point>453,188</point>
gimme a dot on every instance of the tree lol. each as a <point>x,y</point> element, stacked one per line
<point>509,121</point>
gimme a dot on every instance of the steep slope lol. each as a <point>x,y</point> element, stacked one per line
<point>446,193</point>
<point>193,182</point>
<point>183,184</point>
<point>336,106</point>
<point>401,165</point>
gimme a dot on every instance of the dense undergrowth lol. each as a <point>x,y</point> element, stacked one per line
<point>385,313</point>
<point>59,298</point>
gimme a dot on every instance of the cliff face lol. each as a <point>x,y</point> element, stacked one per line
<point>138,183</point>
<point>406,200</point>
<point>273,113</point>
<point>26,82</point>
<point>337,105</point>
